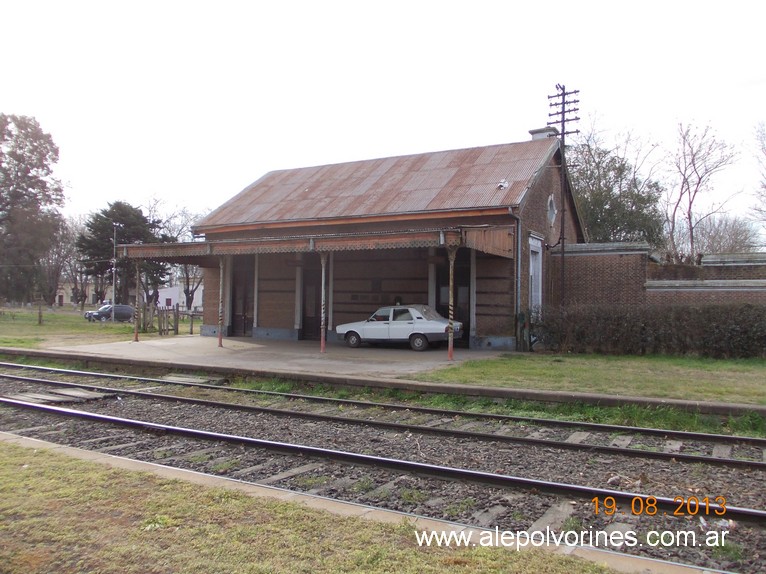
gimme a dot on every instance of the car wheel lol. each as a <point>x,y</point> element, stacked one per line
<point>103,319</point>
<point>353,340</point>
<point>418,342</point>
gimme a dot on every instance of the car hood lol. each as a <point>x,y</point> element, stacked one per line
<point>351,326</point>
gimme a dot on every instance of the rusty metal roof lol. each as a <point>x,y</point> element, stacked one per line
<point>457,180</point>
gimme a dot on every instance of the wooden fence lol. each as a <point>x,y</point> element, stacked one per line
<point>168,320</point>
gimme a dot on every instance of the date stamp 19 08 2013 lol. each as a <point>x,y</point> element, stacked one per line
<point>647,506</point>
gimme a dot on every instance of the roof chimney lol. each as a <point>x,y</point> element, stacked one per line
<point>542,133</point>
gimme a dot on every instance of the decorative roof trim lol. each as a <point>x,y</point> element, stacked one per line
<point>296,244</point>
<point>497,240</point>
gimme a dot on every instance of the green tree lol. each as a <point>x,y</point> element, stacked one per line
<point>53,263</point>
<point>615,201</point>
<point>29,195</point>
<point>96,244</point>
<point>24,275</point>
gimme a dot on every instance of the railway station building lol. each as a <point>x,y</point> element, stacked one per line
<point>312,246</point>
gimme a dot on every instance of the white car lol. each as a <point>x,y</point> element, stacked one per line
<point>419,325</point>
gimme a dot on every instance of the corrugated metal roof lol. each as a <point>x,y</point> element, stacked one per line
<point>437,181</point>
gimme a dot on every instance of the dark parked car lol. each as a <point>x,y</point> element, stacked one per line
<point>122,313</point>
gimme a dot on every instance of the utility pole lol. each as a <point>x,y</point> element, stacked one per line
<point>563,108</point>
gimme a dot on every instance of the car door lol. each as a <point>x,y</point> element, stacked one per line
<point>402,324</point>
<point>376,327</point>
<point>123,313</point>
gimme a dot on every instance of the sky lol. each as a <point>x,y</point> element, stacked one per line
<point>189,102</point>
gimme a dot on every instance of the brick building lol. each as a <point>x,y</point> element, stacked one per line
<point>306,247</point>
<point>338,241</point>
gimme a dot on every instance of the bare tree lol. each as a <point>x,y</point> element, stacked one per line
<point>74,270</point>
<point>726,234</point>
<point>760,194</point>
<point>699,157</point>
<point>174,222</point>
<point>178,225</point>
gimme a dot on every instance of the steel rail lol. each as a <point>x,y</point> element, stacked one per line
<point>689,435</point>
<point>438,471</point>
<point>406,427</point>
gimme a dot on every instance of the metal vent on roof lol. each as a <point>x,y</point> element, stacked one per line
<point>503,185</point>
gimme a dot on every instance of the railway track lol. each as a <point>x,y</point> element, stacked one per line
<point>465,476</point>
<point>662,444</point>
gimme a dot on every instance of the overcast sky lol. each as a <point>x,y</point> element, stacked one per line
<point>192,101</point>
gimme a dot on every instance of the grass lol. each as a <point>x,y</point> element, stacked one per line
<point>413,495</point>
<point>729,551</point>
<point>665,417</point>
<point>457,508</point>
<point>697,379</point>
<point>63,515</point>
<point>364,484</point>
<point>22,328</point>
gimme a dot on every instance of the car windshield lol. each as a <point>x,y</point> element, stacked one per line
<point>105,308</point>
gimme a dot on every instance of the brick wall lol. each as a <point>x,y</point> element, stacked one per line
<point>734,272</point>
<point>622,274</point>
<point>673,272</point>
<point>276,290</point>
<point>730,272</point>
<point>494,295</point>
<point>690,295</point>
<point>601,273</point>
<point>210,294</point>
<point>366,280</point>
<point>724,278</point>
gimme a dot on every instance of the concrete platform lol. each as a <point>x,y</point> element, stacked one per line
<point>285,356</point>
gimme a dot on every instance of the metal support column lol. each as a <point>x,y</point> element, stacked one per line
<point>220,301</point>
<point>138,298</point>
<point>452,253</point>
<point>322,320</point>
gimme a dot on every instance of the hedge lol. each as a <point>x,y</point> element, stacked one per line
<point>718,331</point>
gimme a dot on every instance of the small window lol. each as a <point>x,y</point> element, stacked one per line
<point>402,315</point>
<point>382,315</point>
<point>552,211</point>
